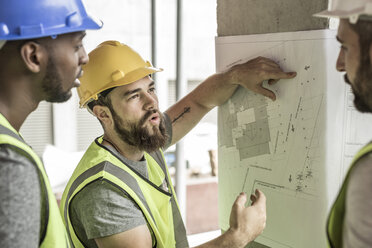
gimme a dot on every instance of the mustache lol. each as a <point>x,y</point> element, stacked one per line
<point>147,115</point>
<point>346,78</point>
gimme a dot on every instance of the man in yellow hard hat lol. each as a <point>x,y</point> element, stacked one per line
<point>41,55</point>
<point>120,194</point>
<point>350,220</point>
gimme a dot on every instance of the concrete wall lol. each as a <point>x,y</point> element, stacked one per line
<point>241,17</point>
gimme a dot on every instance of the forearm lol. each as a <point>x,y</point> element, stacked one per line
<point>213,91</point>
<point>227,239</point>
<point>218,88</point>
<point>187,112</point>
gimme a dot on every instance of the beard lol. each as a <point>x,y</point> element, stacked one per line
<point>52,84</point>
<point>362,87</point>
<point>139,136</point>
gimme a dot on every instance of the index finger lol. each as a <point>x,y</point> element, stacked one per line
<point>280,75</point>
<point>260,199</point>
<point>265,60</point>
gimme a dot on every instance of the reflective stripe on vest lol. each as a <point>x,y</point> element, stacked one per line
<point>54,234</point>
<point>98,163</point>
<point>335,221</point>
<point>180,230</point>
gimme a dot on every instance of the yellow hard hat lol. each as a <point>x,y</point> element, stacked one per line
<point>111,64</point>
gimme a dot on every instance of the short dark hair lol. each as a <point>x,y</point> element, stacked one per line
<point>364,30</point>
<point>102,100</point>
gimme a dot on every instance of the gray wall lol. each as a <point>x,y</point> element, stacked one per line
<point>241,17</point>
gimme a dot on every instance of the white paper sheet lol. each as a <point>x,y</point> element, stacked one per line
<point>296,149</point>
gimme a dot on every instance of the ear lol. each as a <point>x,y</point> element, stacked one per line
<point>103,114</point>
<point>33,54</point>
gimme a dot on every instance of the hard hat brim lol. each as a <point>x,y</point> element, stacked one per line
<point>92,23</point>
<point>128,79</point>
<point>336,14</point>
<point>89,23</point>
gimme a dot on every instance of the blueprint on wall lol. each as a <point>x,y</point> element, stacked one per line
<point>295,149</point>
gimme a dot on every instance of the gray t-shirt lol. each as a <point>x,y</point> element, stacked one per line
<point>358,219</point>
<point>19,200</point>
<point>101,209</point>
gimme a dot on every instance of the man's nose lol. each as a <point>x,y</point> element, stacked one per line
<point>340,64</point>
<point>84,58</point>
<point>150,101</point>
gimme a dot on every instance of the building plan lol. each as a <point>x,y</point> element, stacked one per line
<point>296,149</point>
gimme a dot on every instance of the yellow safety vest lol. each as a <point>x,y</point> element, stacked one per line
<point>336,217</point>
<point>55,234</point>
<point>160,207</point>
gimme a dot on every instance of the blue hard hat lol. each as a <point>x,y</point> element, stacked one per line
<point>27,19</point>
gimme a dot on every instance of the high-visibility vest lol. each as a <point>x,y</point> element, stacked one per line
<point>336,217</point>
<point>160,207</point>
<point>54,234</point>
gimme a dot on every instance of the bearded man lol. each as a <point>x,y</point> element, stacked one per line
<point>350,220</point>
<point>120,194</point>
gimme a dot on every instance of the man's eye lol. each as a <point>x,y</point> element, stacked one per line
<point>152,90</point>
<point>133,97</point>
<point>78,47</point>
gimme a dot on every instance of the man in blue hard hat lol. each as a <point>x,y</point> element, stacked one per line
<point>350,220</point>
<point>41,55</point>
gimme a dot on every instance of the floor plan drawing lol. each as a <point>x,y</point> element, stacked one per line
<point>294,149</point>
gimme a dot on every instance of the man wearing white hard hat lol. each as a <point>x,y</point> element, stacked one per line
<point>120,194</point>
<point>41,55</point>
<point>350,220</point>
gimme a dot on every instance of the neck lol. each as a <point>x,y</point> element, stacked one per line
<point>16,108</point>
<point>128,151</point>
<point>17,97</point>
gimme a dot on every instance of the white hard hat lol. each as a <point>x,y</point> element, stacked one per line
<point>351,9</point>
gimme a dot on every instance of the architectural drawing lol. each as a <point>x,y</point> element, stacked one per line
<point>295,149</point>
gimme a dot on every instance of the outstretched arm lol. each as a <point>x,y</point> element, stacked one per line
<point>246,223</point>
<point>218,88</point>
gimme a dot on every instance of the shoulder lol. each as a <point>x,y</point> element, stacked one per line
<point>12,154</point>
<point>361,175</point>
<point>16,168</point>
<point>360,182</point>
<point>358,220</point>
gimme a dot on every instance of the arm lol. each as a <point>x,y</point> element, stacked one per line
<point>246,223</point>
<point>218,88</point>
<point>19,201</point>
<point>138,237</point>
<point>104,215</point>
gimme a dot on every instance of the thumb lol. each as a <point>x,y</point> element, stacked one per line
<point>266,92</point>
